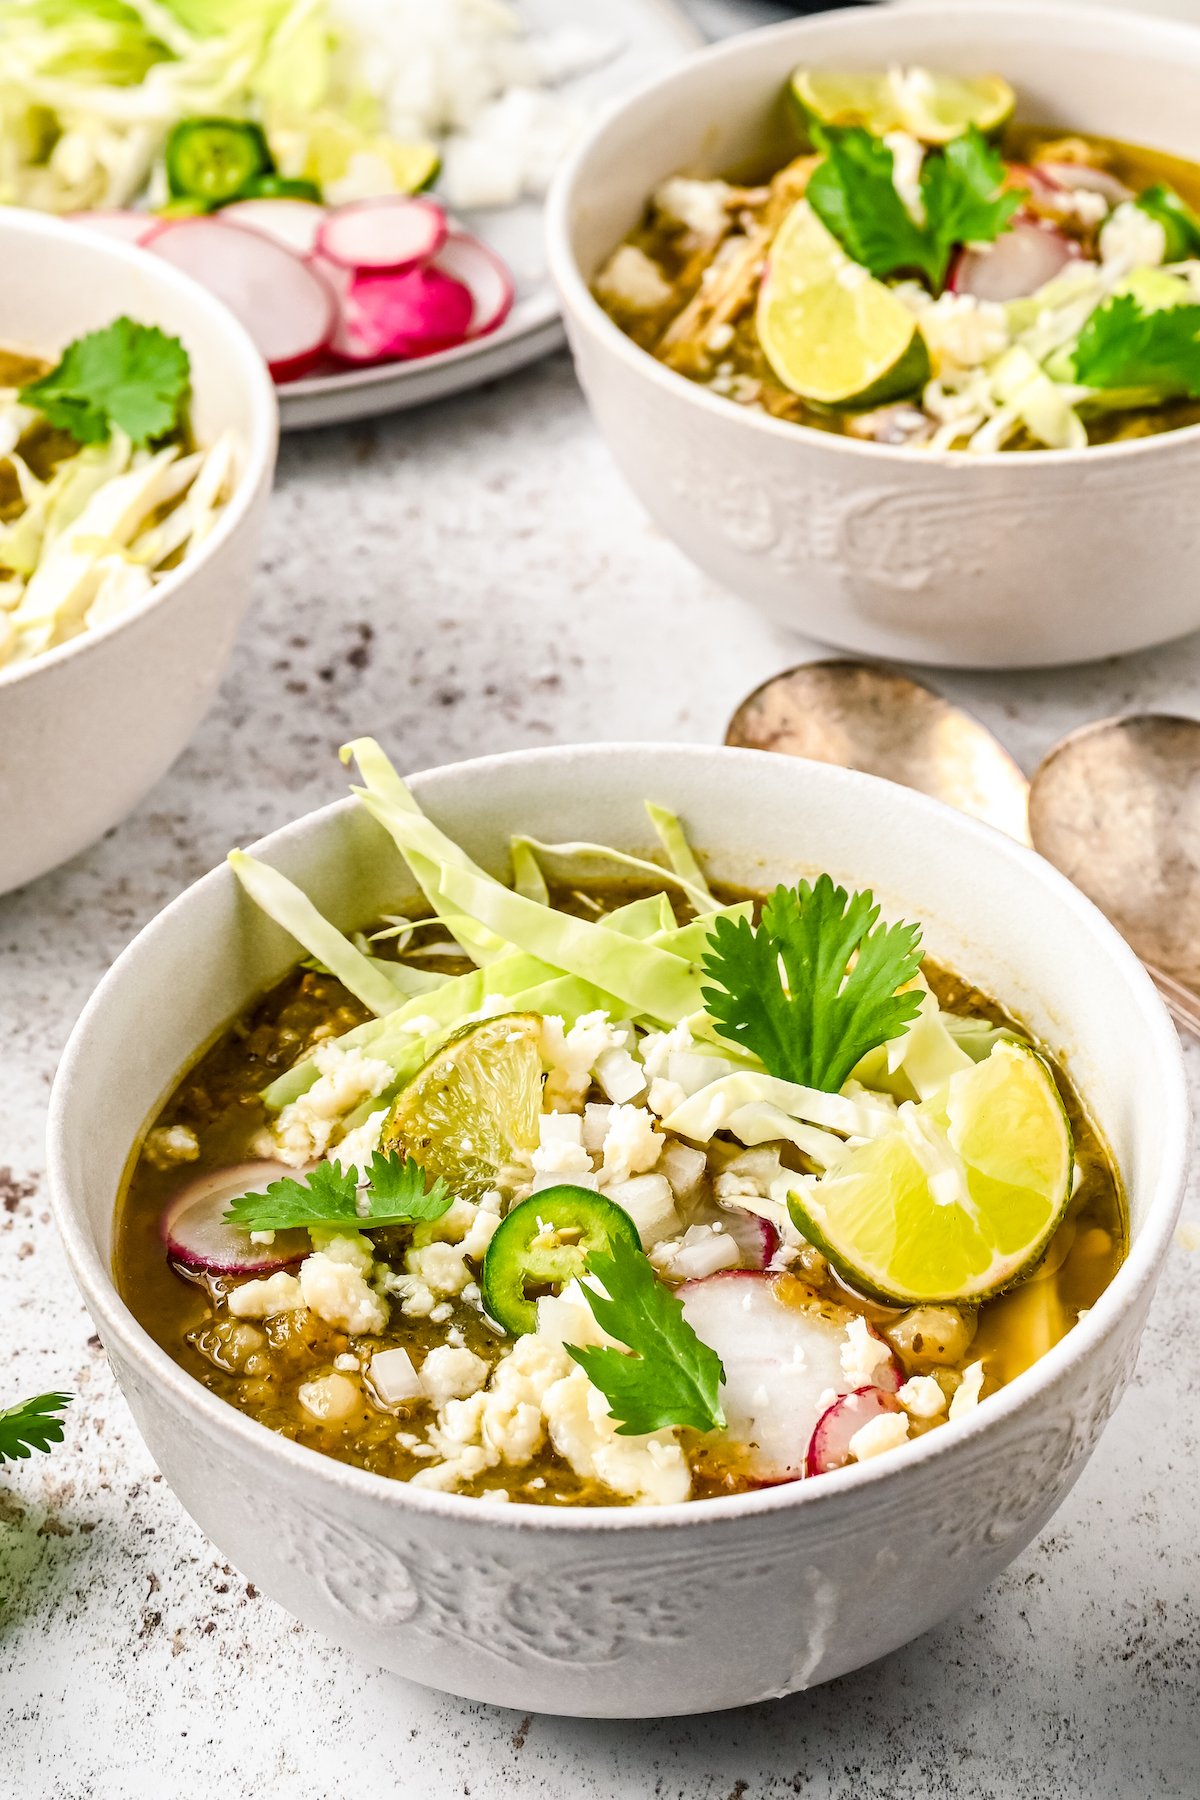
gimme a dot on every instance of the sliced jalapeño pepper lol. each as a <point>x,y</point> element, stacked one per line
<point>213,159</point>
<point>543,1243</point>
<point>279,187</point>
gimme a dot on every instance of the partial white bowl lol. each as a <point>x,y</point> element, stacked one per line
<point>619,1611</point>
<point>87,729</point>
<point>997,561</point>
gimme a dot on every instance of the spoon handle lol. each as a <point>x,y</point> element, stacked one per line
<point>1182,1004</point>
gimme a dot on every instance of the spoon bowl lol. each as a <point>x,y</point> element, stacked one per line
<point>1116,807</point>
<point>872,718</point>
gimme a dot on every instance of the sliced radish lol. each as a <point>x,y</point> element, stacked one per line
<point>292,223</point>
<point>782,1362</point>
<point>195,1233</point>
<point>756,1238</point>
<point>1019,262</point>
<point>282,301</point>
<point>830,1445</point>
<point>1079,178</point>
<point>130,227</point>
<point>470,261</point>
<point>383,236</point>
<point>387,317</point>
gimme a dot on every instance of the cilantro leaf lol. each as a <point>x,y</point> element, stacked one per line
<point>671,1378</point>
<point>31,1426</point>
<point>1124,345</point>
<point>127,375</point>
<point>854,195</point>
<point>396,1194</point>
<point>784,990</point>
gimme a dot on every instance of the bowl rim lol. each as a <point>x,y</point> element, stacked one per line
<point>580,305</point>
<point>117,1323</point>
<point>246,366</point>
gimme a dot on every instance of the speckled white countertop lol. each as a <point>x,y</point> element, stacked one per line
<point>467,579</point>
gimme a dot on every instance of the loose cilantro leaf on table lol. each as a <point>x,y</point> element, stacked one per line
<point>784,989</point>
<point>1125,346</point>
<point>853,194</point>
<point>126,375</point>
<point>395,1194</point>
<point>31,1426</point>
<point>671,1378</point>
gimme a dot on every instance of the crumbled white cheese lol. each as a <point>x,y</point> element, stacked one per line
<point>922,1397</point>
<point>701,206</point>
<point>345,1078</point>
<point>886,1432</point>
<point>334,1284</point>
<point>631,1144</point>
<point>502,1422</point>
<point>631,280</point>
<point>570,1056</point>
<point>358,1146</point>
<point>658,1047</point>
<point>169,1145</point>
<point>347,1362</point>
<point>664,1096</point>
<point>650,1469</point>
<point>966,1394</point>
<point>263,1299</point>
<point>442,1267</point>
<point>962,332</point>
<point>450,1374</point>
<point>863,1354</point>
<point>1130,238</point>
<point>330,1398</point>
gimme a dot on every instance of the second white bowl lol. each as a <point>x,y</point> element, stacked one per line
<point>87,729</point>
<point>1002,561</point>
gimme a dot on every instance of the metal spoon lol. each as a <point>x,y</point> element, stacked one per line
<point>1116,806</point>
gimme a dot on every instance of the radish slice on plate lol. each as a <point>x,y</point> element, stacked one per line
<point>782,1362</point>
<point>1019,262</point>
<point>387,235</point>
<point>282,301</point>
<point>401,316</point>
<point>196,1234</point>
<point>130,227</point>
<point>470,261</point>
<point>292,223</point>
<point>830,1445</point>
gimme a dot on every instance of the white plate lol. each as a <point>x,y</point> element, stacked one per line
<point>653,34</point>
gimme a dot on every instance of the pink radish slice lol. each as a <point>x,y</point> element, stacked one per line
<point>195,1233</point>
<point>1078,178</point>
<point>830,1445</point>
<point>401,316</point>
<point>292,223</point>
<point>470,261</point>
<point>1018,263</point>
<point>756,1238</point>
<point>782,1363</point>
<point>384,236</point>
<point>283,302</point>
<point>130,227</point>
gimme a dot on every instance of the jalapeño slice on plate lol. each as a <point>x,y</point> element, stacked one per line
<point>544,1243</point>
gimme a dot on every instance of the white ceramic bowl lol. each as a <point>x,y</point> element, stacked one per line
<point>973,561</point>
<point>87,729</point>
<point>621,1611</point>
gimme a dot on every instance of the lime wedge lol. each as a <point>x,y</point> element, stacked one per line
<point>472,1110</point>
<point>934,108</point>
<point>960,1198</point>
<point>830,331</point>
